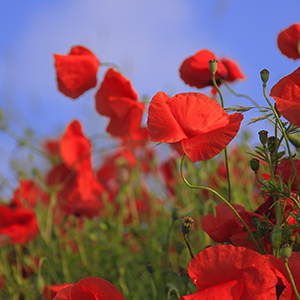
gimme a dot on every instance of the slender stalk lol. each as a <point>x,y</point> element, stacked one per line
<point>188,245</point>
<point>291,278</point>
<point>285,136</point>
<point>220,197</point>
<point>225,149</point>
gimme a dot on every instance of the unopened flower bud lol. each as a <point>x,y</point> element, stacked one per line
<point>186,225</point>
<point>255,220</point>
<point>276,237</point>
<point>263,136</point>
<point>254,164</point>
<point>264,75</point>
<point>294,139</point>
<point>213,66</point>
<point>175,214</point>
<point>263,228</point>
<point>286,250</point>
<point>185,278</point>
<point>150,267</point>
<point>272,144</point>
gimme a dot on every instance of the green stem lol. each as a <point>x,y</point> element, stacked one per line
<point>291,278</point>
<point>220,197</point>
<point>225,149</point>
<point>188,245</point>
<point>285,137</point>
<point>108,64</point>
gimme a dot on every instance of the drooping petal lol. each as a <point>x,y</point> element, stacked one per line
<point>286,93</point>
<point>233,69</point>
<point>288,41</point>
<point>76,72</point>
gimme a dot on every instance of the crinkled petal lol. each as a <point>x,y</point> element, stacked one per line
<point>76,72</point>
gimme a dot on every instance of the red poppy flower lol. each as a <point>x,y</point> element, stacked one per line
<point>117,100</point>
<point>76,72</point>
<point>195,71</point>
<point>17,225</point>
<point>80,192</point>
<point>285,171</point>
<point>75,148</point>
<point>228,272</point>
<point>53,289</point>
<point>198,122</point>
<point>29,192</point>
<point>288,41</point>
<point>90,288</point>
<point>286,93</point>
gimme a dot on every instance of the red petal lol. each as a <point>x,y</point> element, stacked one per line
<point>75,148</point>
<point>221,264</point>
<point>234,72</point>
<point>114,85</point>
<point>76,72</point>
<point>286,93</point>
<point>288,41</point>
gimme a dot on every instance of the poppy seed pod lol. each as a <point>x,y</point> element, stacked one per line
<point>186,225</point>
<point>263,137</point>
<point>264,75</point>
<point>263,228</point>
<point>286,250</point>
<point>213,66</point>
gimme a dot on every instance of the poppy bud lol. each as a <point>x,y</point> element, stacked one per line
<point>263,228</point>
<point>276,237</point>
<point>254,164</point>
<point>213,66</point>
<point>272,144</point>
<point>294,139</point>
<point>263,136</point>
<point>255,220</point>
<point>286,250</point>
<point>264,75</point>
<point>185,278</point>
<point>175,214</point>
<point>150,267</point>
<point>186,225</point>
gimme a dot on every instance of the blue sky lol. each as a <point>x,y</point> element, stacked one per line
<point>147,39</point>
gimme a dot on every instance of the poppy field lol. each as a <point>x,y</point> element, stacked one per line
<point>171,205</point>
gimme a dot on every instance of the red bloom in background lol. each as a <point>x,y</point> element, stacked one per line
<point>76,72</point>
<point>17,225</point>
<point>29,192</point>
<point>228,272</point>
<point>288,41</point>
<point>90,288</point>
<point>286,93</point>
<point>198,122</point>
<point>285,171</point>
<point>80,192</point>
<point>117,100</point>
<point>195,71</point>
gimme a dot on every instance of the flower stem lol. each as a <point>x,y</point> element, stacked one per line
<point>285,136</point>
<point>188,245</point>
<point>291,278</point>
<point>222,198</point>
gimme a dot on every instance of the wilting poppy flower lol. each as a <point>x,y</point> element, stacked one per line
<point>228,272</point>
<point>195,71</point>
<point>198,122</point>
<point>90,288</point>
<point>17,225</point>
<point>76,72</point>
<point>288,41</point>
<point>286,93</point>
<point>117,100</point>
